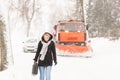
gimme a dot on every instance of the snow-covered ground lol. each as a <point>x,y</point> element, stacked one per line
<point>104,64</point>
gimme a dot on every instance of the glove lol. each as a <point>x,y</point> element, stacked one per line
<point>55,63</point>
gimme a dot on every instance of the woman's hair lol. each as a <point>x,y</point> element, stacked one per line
<point>48,34</point>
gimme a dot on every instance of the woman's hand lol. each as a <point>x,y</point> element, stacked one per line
<point>35,62</point>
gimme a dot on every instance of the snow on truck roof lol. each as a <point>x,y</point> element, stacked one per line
<point>73,21</point>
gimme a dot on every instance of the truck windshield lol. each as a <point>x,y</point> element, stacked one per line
<point>72,27</point>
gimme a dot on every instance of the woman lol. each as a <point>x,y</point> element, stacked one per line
<point>46,53</point>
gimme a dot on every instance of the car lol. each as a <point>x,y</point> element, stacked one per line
<point>30,45</point>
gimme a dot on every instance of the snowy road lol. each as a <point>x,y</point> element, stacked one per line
<point>104,65</point>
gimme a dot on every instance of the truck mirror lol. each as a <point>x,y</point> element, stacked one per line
<point>87,26</point>
<point>55,27</point>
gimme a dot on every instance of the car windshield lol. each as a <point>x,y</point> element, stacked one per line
<point>31,41</point>
<point>72,27</point>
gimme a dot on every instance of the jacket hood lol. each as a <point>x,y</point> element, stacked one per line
<point>51,37</point>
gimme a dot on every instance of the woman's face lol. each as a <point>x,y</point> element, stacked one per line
<point>46,37</point>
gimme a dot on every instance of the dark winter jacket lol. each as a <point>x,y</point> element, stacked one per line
<point>50,55</point>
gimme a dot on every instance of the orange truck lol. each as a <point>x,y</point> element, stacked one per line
<point>72,36</point>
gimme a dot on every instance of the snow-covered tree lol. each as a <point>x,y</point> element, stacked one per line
<point>103,17</point>
<point>79,10</point>
<point>3,48</point>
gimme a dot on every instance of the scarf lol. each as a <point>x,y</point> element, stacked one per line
<point>44,50</point>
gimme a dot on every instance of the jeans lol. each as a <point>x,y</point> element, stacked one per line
<point>45,72</point>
